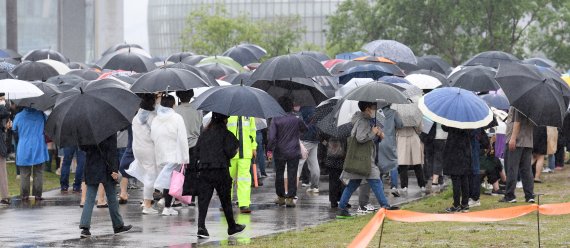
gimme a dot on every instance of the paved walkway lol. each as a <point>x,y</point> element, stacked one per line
<point>54,222</point>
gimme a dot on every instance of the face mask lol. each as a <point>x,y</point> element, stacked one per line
<point>2,102</point>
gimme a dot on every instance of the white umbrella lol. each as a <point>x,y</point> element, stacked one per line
<point>61,68</point>
<point>424,82</point>
<point>352,84</point>
<point>18,89</point>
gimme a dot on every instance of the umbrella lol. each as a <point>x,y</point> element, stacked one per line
<point>491,59</point>
<point>77,65</point>
<point>434,63</point>
<point>350,55</point>
<point>10,53</point>
<point>408,68</point>
<point>167,79</point>
<point>532,93</point>
<point>376,91</point>
<point>18,89</point>
<point>5,69</point>
<point>423,81</point>
<point>239,100</point>
<point>90,114</point>
<point>196,70</point>
<point>304,91</point>
<point>328,83</point>
<point>199,91</point>
<point>391,50</point>
<point>120,46</point>
<point>351,85</point>
<point>217,70</point>
<point>40,54</point>
<point>289,66</point>
<point>35,70</point>
<point>319,56</point>
<point>374,59</point>
<point>128,61</point>
<point>544,62</point>
<point>409,89</point>
<point>193,60</point>
<point>238,78</point>
<point>65,82</point>
<point>455,107</point>
<point>410,114</point>
<point>324,117</point>
<point>227,61</point>
<point>387,67</point>
<point>245,53</point>
<point>475,78</point>
<point>178,57</point>
<point>86,74</point>
<point>374,71</point>
<point>496,99</point>
<point>9,61</point>
<point>442,78</point>
<point>61,68</point>
<point>43,102</point>
<point>331,62</point>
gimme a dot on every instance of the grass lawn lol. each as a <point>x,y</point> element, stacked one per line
<point>519,232</point>
<point>51,180</point>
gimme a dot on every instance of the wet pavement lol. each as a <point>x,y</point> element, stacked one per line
<point>54,222</point>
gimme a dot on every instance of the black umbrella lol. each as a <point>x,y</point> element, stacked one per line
<point>88,115</point>
<point>178,57</point>
<point>532,93</point>
<point>86,74</point>
<point>245,53</point>
<point>319,56</point>
<point>540,62</point>
<point>43,102</point>
<point>386,68</point>
<point>434,63</point>
<point>217,70</point>
<point>128,61</point>
<point>193,60</point>
<point>65,82</point>
<point>378,91</point>
<point>329,84</point>
<point>197,70</point>
<point>120,46</point>
<point>475,78</point>
<point>40,54</point>
<point>440,77</point>
<point>289,66</point>
<point>238,78</point>
<point>407,67</point>
<point>168,79</point>
<point>77,65</point>
<point>32,70</point>
<point>304,91</point>
<point>239,100</point>
<point>374,71</point>
<point>491,59</point>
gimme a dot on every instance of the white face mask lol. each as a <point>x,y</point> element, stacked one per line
<point>2,102</point>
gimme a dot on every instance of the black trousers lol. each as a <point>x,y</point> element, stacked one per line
<point>292,166</point>
<point>403,171</point>
<point>460,190</point>
<point>220,180</point>
<point>335,185</point>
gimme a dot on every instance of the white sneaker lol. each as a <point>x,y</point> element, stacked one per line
<point>519,185</point>
<point>362,210</point>
<point>149,211</point>
<point>546,170</point>
<point>160,203</point>
<point>17,177</point>
<point>423,189</point>
<point>370,208</point>
<point>314,190</point>
<point>473,203</point>
<point>304,185</point>
<point>405,189</point>
<point>169,212</point>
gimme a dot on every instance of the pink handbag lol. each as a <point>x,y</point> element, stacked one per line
<point>177,185</point>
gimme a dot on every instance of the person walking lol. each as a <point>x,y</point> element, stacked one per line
<point>539,150</point>
<point>244,130</point>
<point>68,154</point>
<point>457,165</point>
<point>283,143</point>
<point>31,150</point>
<point>387,149</point>
<point>311,143</point>
<point>261,140</point>
<point>479,139</point>
<point>124,162</point>
<point>4,125</point>
<point>214,149</point>
<point>335,155</point>
<point>101,168</point>
<point>410,156</point>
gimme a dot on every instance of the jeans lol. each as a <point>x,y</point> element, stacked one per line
<point>292,166</point>
<point>38,175</point>
<point>68,153</point>
<point>460,185</point>
<point>518,162</point>
<point>312,163</point>
<point>260,156</point>
<point>551,162</point>
<point>116,218</point>
<point>353,184</point>
<point>394,178</point>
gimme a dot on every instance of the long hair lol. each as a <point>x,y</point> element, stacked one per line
<point>217,121</point>
<point>147,101</point>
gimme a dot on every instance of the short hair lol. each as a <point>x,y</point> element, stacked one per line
<point>286,103</point>
<point>185,95</point>
<point>167,101</point>
<point>364,105</point>
<point>147,101</point>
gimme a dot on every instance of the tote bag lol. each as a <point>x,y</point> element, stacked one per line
<point>358,155</point>
<point>177,185</point>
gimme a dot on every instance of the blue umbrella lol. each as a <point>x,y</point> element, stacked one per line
<point>498,100</point>
<point>455,107</point>
<point>350,55</point>
<point>374,71</point>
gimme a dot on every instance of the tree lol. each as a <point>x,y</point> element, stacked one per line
<point>281,34</point>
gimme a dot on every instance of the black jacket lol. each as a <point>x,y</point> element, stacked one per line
<point>101,161</point>
<point>457,152</point>
<point>215,148</point>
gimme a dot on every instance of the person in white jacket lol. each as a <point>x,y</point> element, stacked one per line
<point>168,133</point>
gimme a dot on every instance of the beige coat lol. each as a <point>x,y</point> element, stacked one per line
<point>410,148</point>
<point>551,140</point>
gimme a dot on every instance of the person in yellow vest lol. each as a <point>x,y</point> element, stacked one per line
<point>241,163</point>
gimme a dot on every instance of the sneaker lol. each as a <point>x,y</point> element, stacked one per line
<point>473,203</point>
<point>362,210</point>
<point>17,177</point>
<point>370,208</point>
<point>395,192</point>
<point>453,209</point>
<point>280,201</point>
<point>531,200</point>
<point>122,229</point>
<point>504,199</point>
<point>435,187</point>
<point>405,189</point>
<point>343,214</point>
<point>391,208</point>
<point>304,185</point>
<point>263,176</point>
<point>497,192</point>
<point>237,229</point>
<point>244,210</point>
<point>85,233</point>
<point>203,233</point>
<point>169,212</point>
<point>423,189</point>
<point>64,190</point>
<point>290,202</point>
<point>519,185</point>
<point>464,209</point>
<point>160,203</point>
<point>546,170</point>
<point>5,202</point>
<point>150,211</point>
<point>313,190</point>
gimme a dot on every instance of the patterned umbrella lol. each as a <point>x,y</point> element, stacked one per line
<point>391,50</point>
<point>5,69</point>
<point>324,116</point>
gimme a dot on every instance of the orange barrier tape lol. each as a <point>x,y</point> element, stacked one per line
<point>555,209</point>
<point>479,216</point>
<point>367,233</point>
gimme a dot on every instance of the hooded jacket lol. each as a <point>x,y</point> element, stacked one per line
<point>168,133</point>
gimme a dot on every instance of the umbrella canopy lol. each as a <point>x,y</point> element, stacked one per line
<point>455,107</point>
<point>9,53</point>
<point>167,79</point>
<point>374,71</point>
<point>196,70</point>
<point>374,59</point>
<point>475,78</point>
<point>442,78</point>
<point>319,56</point>
<point>18,89</point>
<point>342,68</point>
<point>350,55</point>
<point>324,117</point>
<point>128,61</point>
<point>331,62</point>
<point>77,65</point>
<point>90,114</point>
<point>496,99</point>
<point>408,68</point>
<point>544,62</point>
<point>245,54</point>
<point>424,82</point>
<point>61,68</point>
<point>328,83</point>
<point>377,91</point>
<point>193,60</point>
<point>304,91</point>
<point>120,46</point>
<point>35,70</point>
<point>65,82</point>
<point>434,63</point>
<point>217,70</point>
<point>40,54</point>
<point>5,69</point>
<point>86,74</point>
<point>532,93</point>
<point>239,100</point>
<point>409,89</point>
<point>391,50</point>
<point>351,85</point>
<point>238,78</point>
<point>289,66</point>
<point>491,59</point>
<point>222,60</point>
<point>178,57</point>
<point>43,102</point>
